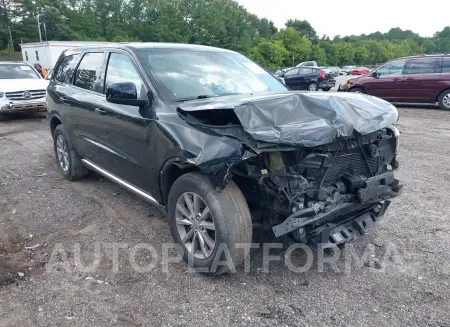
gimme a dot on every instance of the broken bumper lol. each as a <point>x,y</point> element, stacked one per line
<point>369,204</point>
<point>24,106</point>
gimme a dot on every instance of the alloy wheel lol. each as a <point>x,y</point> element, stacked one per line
<point>62,153</point>
<point>195,225</point>
<point>312,87</point>
<point>446,100</point>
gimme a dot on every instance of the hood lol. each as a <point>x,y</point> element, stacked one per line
<point>22,84</point>
<point>296,118</point>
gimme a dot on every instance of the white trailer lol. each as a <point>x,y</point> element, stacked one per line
<point>47,53</point>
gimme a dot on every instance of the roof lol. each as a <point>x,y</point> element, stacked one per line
<point>131,45</point>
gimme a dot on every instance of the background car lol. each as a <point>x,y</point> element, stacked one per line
<point>417,79</point>
<point>308,78</point>
<point>22,88</point>
<point>310,63</point>
<point>346,70</point>
<point>360,71</point>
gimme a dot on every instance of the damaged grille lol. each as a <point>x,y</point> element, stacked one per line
<point>348,163</point>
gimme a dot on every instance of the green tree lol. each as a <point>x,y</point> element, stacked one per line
<point>297,46</point>
<point>303,27</point>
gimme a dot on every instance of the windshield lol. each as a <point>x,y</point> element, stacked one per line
<point>183,75</point>
<point>17,71</point>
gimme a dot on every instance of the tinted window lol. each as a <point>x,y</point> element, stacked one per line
<point>305,71</point>
<point>424,66</point>
<point>64,71</point>
<point>392,68</point>
<point>121,69</point>
<point>446,65</point>
<point>291,72</point>
<point>88,71</point>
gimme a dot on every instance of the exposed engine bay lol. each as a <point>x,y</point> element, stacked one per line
<point>307,187</point>
<point>318,167</point>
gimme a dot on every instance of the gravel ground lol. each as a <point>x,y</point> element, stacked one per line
<point>43,286</point>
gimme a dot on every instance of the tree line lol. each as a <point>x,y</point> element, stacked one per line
<point>220,23</point>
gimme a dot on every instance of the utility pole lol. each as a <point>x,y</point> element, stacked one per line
<point>39,26</point>
<point>45,32</point>
<point>10,38</point>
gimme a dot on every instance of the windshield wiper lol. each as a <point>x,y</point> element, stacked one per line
<point>202,96</point>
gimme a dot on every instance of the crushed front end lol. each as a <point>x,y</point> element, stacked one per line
<point>319,167</point>
<point>329,193</point>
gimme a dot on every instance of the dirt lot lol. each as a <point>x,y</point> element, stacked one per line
<point>43,218</point>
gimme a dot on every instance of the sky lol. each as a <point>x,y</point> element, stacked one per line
<point>338,17</point>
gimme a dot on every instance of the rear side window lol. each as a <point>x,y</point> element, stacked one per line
<point>305,71</point>
<point>446,65</point>
<point>424,66</point>
<point>64,71</point>
<point>88,72</point>
<point>291,72</point>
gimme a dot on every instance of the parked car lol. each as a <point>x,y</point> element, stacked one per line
<point>329,73</point>
<point>335,70</point>
<point>216,142</point>
<point>360,71</point>
<point>308,78</point>
<point>311,63</point>
<point>419,79</point>
<point>280,72</point>
<point>346,70</point>
<point>22,88</point>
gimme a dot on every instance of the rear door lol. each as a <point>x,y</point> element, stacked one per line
<point>386,81</point>
<point>83,98</point>
<point>292,79</point>
<point>306,76</point>
<point>421,82</point>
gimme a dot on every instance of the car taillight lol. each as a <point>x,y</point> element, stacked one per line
<point>322,74</point>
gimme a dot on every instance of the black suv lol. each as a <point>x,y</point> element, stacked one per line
<point>218,144</point>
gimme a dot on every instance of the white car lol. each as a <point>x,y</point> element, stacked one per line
<point>22,89</point>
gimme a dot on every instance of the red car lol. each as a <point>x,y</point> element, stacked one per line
<point>418,79</point>
<point>360,71</point>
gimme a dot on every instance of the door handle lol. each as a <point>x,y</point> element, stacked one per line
<point>100,111</point>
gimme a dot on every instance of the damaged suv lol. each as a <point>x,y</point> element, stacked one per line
<point>220,145</point>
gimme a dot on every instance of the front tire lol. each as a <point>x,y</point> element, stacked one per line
<point>357,90</point>
<point>208,224</point>
<point>444,100</point>
<point>68,162</point>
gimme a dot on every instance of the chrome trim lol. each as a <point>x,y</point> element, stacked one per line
<point>104,147</point>
<point>146,196</point>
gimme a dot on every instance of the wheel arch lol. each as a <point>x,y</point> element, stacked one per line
<point>55,120</point>
<point>170,172</point>
<point>440,93</point>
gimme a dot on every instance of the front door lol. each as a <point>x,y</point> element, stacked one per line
<point>122,130</point>
<point>385,82</point>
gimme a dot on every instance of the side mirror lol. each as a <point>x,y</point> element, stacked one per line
<point>124,93</point>
<point>374,74</point>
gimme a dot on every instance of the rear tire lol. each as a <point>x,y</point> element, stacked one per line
<point>228,213</point>
<point>313,87</point>
<point>444,100</point>
<point>357,90</point>
<point>68,162</point>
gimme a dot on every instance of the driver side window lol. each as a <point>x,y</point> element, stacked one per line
<point>121,69</point>
<point>392,68</point>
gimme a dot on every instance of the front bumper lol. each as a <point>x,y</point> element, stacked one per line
<point>38,105</point>
<point>372,198</point>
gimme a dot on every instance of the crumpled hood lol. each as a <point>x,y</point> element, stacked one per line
<point>308,119</point>
<point>23,84</point>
